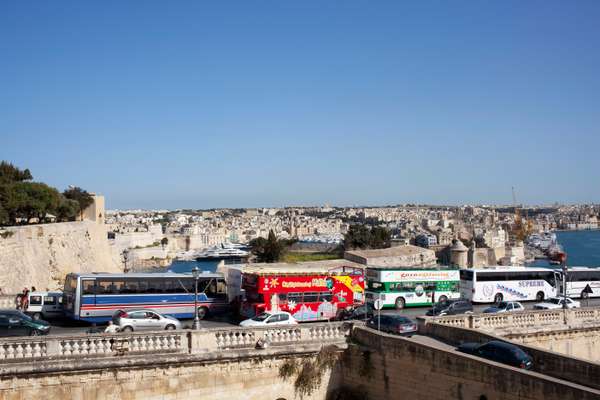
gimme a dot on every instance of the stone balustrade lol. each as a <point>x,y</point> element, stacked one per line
<point>525,320</point>
<point>7,301</point>
<point>164,342</point>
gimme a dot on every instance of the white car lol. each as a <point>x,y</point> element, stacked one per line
<point>144,320</point>
<point>505,306</point>
<point>270,319</point>
<point>554,303</point>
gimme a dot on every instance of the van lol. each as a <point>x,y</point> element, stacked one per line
<point>45,305</point>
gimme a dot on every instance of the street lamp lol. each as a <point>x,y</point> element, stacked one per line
<point>196,274</point>
<point>563,260</point>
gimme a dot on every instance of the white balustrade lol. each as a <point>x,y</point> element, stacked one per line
<point>207,340</point>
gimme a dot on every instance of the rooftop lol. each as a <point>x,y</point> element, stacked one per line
<point>396,251</point>
<point>301,268</point>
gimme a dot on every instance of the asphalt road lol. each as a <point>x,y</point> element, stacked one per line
<point>70,328</point>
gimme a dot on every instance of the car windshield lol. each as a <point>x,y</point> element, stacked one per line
<point>261,317</point>
<point>441,304</point>
<point>23,316</point>
<point>402,320</point>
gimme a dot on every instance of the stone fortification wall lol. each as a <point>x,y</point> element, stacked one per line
<point>392,367</point>
<point>547,362</point>
<point>41,255</point>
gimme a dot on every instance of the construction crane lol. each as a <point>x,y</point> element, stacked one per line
<point>522,227</point>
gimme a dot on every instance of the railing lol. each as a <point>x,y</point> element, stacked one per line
<point>7,300</point>
<point>183,342</point>
<point>524,320</point>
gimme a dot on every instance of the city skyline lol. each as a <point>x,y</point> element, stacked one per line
<point>265,105</point>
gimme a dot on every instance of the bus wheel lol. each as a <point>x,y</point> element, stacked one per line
<point>202,312</point>
<point>400,303</point>
<point>539,296</point>
<point>584,295</point>
<point>443,299</point>
<point>498,298</point>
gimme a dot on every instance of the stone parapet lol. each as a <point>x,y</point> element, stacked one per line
<point>547,362</point>
<point>171,342</point>
<point>522,322</point>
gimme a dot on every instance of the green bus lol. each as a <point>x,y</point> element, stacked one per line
<point>403,287</point>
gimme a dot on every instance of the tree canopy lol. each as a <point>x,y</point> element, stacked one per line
<point>267,250</point>
<point>363,237</point>
<point>83,198</point>
<point>21,199</point>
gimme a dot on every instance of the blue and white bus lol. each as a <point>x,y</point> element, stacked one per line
<point>95,297</point>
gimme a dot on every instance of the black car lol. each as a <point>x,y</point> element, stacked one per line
<point>501,352</point>
<point>361,312</point>
<point>451,307</point>
<point>393,324</point>
<point>16,323</point>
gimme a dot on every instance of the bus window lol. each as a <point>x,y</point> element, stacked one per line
<point>282,297</point>
<point>87,286</point>
<point>311,297</point>
<point>221,286</point>
<point>325,296</point>
<point>295,297</point>
<point>466,275</point>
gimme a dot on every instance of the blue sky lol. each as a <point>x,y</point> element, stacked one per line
<point>253,103</point>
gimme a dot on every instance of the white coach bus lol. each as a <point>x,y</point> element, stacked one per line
<point>487,285</point>
<point>577,280</point>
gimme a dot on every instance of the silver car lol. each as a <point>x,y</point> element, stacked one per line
<point>142,319</point>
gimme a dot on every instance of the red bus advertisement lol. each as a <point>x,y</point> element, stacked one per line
<point>308,296</point>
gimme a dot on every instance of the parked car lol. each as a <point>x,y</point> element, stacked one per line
<point>553,303</point>
<point>44,305</point>
<point>505,306</point>
<point>393,324</point>
<point>270,319</point>
<point>360,312</point>
<point>451,307</point>
<point>17,323</point>
<point>498,351</point>
<point>144,320</point>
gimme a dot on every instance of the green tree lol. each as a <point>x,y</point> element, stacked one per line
<point>267,250</point>
<point>357,237</point>
<point>83,198</point>
<point>67,209</point>
<point>381,237</point>
<point>9,173</point>
<point>3,216</point>
<point>361,237</point>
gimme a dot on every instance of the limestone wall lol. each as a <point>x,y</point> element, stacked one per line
<point>249,379</point>
<point>41,255</point>
<point>386,367</point>
<point>546,354</point>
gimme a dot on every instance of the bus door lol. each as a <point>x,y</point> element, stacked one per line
<point>88,298</point>
<point>558,283</point>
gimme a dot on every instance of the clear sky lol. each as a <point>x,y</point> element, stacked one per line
<point>175,104</point>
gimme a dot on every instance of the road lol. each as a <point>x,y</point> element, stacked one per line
<point>69,328</point>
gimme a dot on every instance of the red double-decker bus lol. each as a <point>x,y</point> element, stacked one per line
<point>310,291</point>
